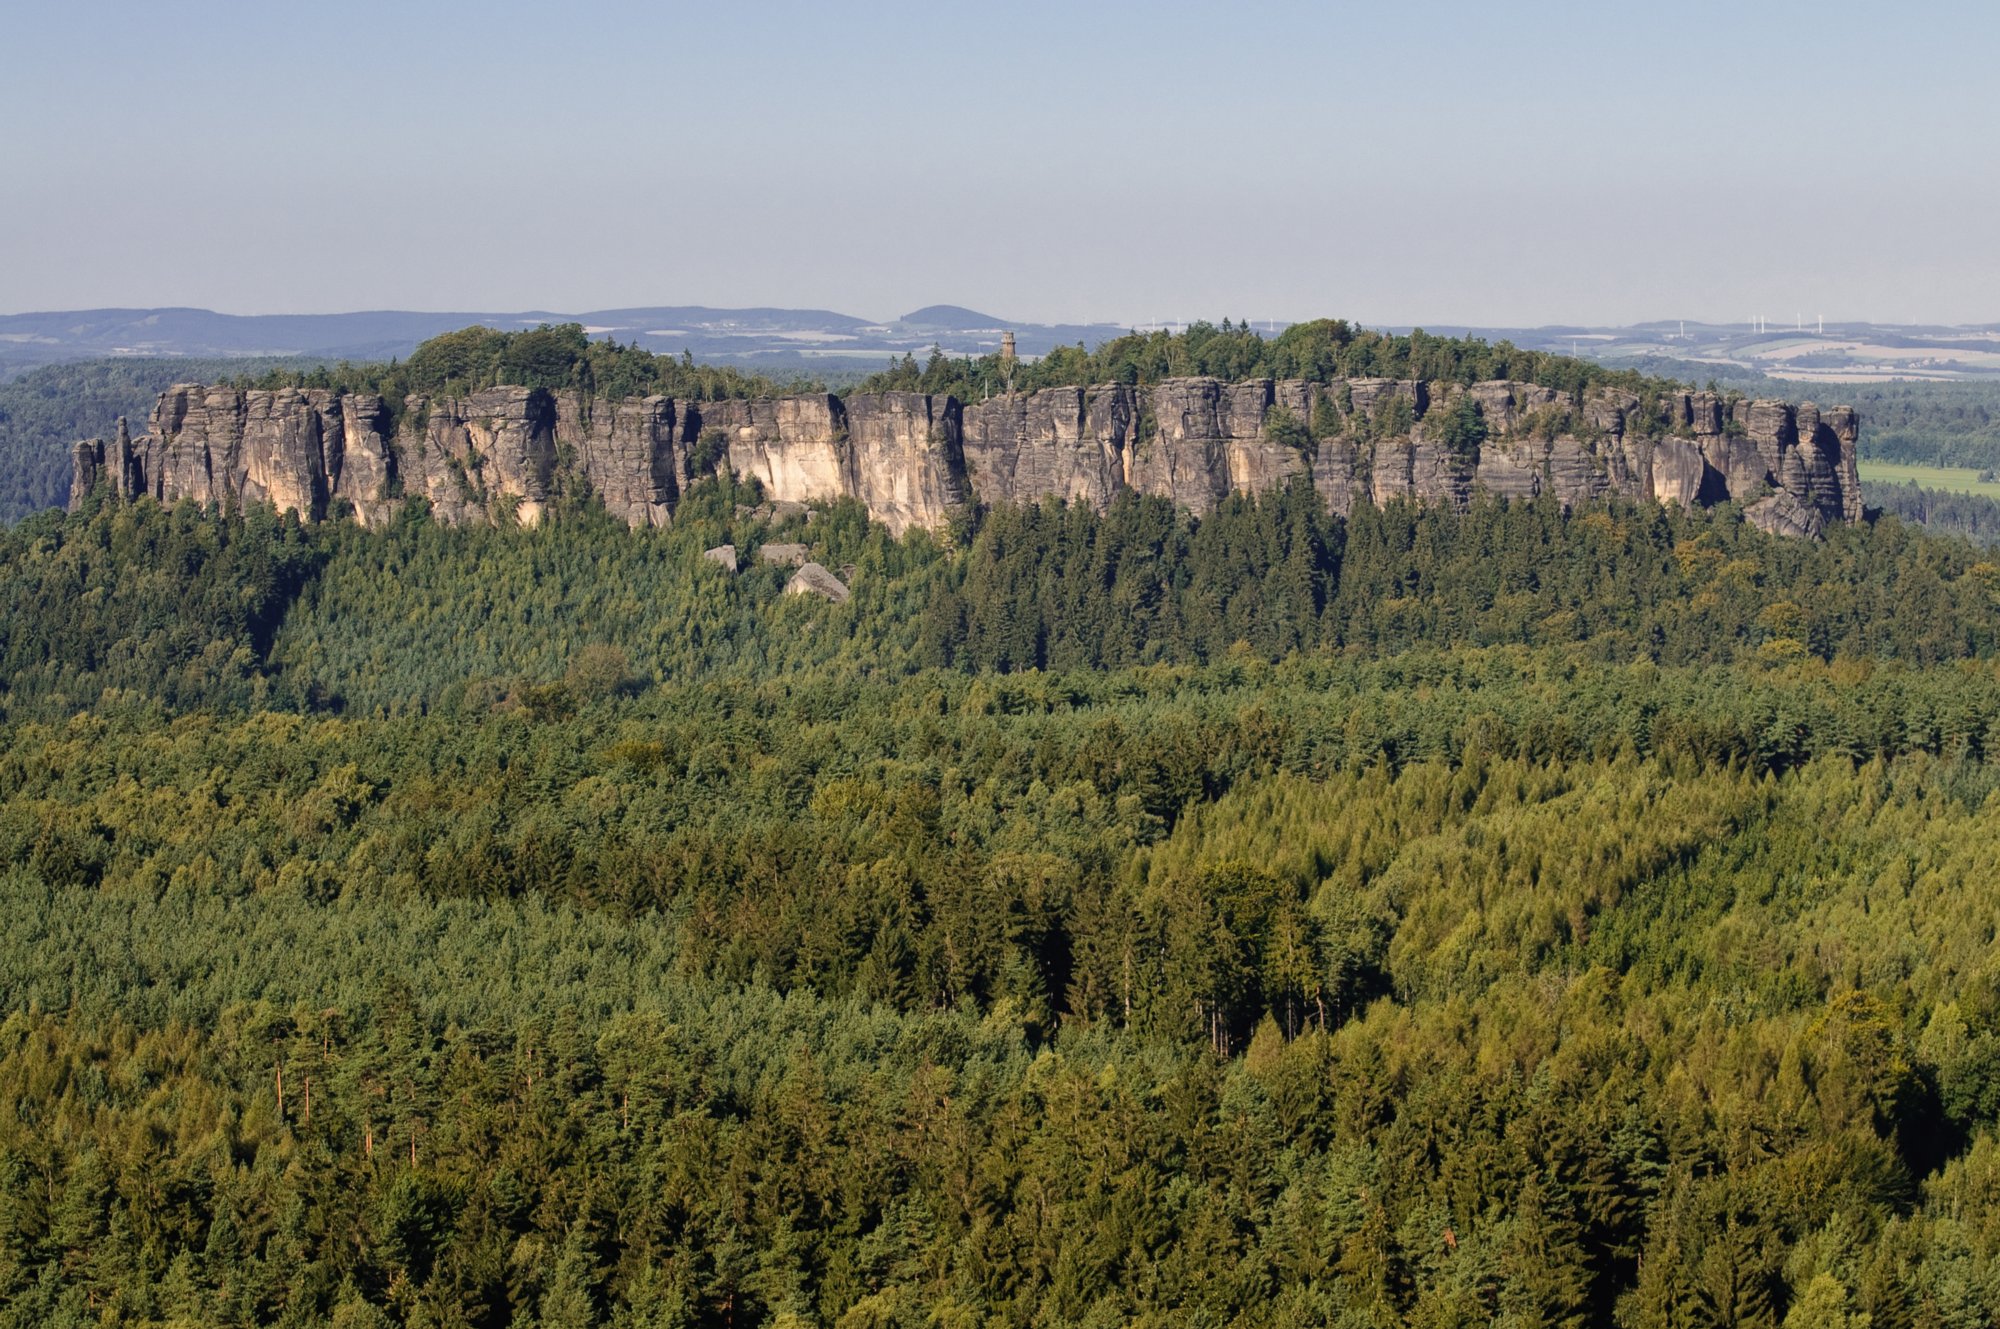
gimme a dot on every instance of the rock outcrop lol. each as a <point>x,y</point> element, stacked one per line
<point>1784,513</point>
<point>812,579</point>
<point>796,446</point>
<point>907,456</point>
<point>913,459</point>
<point>631,450</point>
<point>1066,443</point>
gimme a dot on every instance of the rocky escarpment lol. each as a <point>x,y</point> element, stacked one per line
<point>913,459</point>
<point>501,452</point>
<point>1375,440</point>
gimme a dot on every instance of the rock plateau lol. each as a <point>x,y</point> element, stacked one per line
<point>913,459</point>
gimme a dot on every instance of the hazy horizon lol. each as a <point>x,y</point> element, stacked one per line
<point>1439,164</point>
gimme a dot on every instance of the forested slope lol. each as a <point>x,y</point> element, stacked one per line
<point>1434,918</point>
<point>1942,510</point>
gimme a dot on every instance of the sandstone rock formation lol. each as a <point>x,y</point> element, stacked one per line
<point>812,579</point>
<point>908,458</point>
<point>1066,443</point>
<point>630,450</point>
<point>796,446</point>
<point>913,460</point>
<point>1784,513</point>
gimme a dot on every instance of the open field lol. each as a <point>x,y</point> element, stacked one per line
<point>1960,479</point>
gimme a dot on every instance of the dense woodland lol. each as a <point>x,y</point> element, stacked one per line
<point>1506,916</point>
<point>550,357</point>
<point>1930,424</point>
<point>1318,351</point>
<point>1943,510</point>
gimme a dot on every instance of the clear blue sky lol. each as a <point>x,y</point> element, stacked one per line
<point>1491,163</point>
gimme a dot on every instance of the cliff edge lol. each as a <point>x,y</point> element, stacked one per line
<point>913,459</point>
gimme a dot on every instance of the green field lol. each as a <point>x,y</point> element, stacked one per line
<point>1961,479</point>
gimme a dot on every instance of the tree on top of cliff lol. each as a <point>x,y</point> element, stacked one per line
<point>551,357</point>
<point>1317,351</point>
<point>1462,428</point>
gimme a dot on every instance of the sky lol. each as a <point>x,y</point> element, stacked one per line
<point>1503,163</point>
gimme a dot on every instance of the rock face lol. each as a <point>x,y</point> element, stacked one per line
<point>913,460</point>
<point>1066,443</point>
<point>630,450</point>
<point>898,452</point>
<point>362,464</point>
<point>908,458</point>
<point>797,446</point>
<point>1785,514</point>
<point>1205,438</point>
<point>491,452</point>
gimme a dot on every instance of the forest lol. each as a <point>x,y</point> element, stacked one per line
<point>1514,915</point>
<point>1974,516</point>
<point>1932,424</point>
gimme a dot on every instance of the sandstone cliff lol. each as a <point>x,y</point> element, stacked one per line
<point>912,460</point>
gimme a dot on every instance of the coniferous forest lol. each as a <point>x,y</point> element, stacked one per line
<point>1515,916</point>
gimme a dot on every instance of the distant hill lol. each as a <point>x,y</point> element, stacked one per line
<point>50,338</point>
<point>954,317</point>
<point>840,347</point>
<point>820,342</point>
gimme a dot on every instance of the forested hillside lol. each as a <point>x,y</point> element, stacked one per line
<point>1931,424</point>
<point>1510,915</point>
<point>1942,510</point>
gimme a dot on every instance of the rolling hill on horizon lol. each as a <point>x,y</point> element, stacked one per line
<point>819,341</point>
<point>834,346</point>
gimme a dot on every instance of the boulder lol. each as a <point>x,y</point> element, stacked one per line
<point>783,555</point>
<point>1785,514</point>
<point>812,579</point>
<point>723,554</point>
